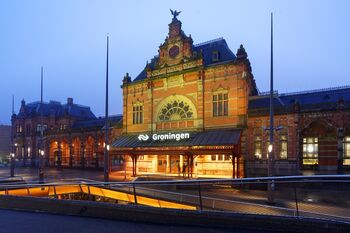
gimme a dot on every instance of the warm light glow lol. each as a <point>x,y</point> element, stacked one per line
<point>42,152</point>
<point>310,148</point>
<point>269,148</point>
<point>107,147</point>
<point>12,155</point>
<point>16,144</point>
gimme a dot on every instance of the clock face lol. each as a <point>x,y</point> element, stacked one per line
<point>174,51</point>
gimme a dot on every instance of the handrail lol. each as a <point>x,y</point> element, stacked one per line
<point>276,179</point>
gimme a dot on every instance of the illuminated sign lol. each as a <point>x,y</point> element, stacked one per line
<point>164,137</point>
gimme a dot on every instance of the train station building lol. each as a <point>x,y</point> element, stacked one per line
<point>195,111</point>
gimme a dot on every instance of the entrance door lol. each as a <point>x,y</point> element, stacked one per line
<point>175,164</point>
<point>161,167</point>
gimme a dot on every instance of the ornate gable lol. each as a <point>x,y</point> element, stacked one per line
<point>177,46</point>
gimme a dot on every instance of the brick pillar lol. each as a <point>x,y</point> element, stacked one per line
<point>167,170</point>
<point>82,153</point>
<point>70,154</point>
<point>181,163</point>
<point>95,152</point>
<point>340,140</point>
<point>59,154</point>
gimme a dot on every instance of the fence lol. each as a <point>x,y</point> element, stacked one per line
<point>324,196</point>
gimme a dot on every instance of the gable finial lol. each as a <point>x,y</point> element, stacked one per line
<point>175,13</point>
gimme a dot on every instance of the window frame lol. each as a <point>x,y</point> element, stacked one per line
<point>283,139</point>
<point>137,114</point>
<point>257,141</point>
<point>310,157</point>
<point>220,104</point>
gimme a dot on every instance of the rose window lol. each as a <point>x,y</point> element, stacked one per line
<point>175,110</point>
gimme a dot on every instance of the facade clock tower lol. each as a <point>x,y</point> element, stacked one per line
<point>177,46</point>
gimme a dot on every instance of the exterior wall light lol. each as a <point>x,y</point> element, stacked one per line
<point>270,148</point>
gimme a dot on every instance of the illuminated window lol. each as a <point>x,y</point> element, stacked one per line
<point>257,147</point>
<point>283,147</point>
<point>346,144</point>
<point>175,110</point>
<point>63,127</point>
<point>310,151</point>
<point>220,104</point>
<point>137,114</point>
<point>219,157</point>
<point>19,129</point>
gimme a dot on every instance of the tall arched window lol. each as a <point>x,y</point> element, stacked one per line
<point>175,110</point>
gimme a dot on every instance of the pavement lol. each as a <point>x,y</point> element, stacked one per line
<point>18,222</point>
<point>330,202</point>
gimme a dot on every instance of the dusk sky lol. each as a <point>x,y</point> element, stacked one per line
<point>68,38</point>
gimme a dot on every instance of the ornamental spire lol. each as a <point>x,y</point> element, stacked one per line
<point>175,13</point>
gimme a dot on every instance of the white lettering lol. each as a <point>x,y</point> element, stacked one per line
<point>170,136</point>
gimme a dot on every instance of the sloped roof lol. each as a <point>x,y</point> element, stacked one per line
<point>219,45</point>
<point>312,100</point>
<point>55,108</point>
<point>223,137</point>
<point>98,122</point>
<point>206,49</point>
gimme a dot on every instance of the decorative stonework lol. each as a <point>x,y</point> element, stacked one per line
<point>175,110</point>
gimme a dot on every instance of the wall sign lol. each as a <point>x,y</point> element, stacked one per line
<point>163,137</point>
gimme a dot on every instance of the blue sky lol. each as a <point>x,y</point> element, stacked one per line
<point>68,38</point>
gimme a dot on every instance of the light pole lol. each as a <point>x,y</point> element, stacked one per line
<point>106,149</point>
<point>41,150</point>
<point>12,159</point>
<point>12,165</point>
<point>271,159</point>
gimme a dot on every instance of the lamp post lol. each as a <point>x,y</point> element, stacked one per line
<point>41,173</point>
<point>12,165</point>
<point>41,151</point>
<point>106,149</point>
<point>12,159</point>
<point>270,161</point>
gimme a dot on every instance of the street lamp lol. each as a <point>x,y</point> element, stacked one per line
<point>12,165</point>
<point>41,173</point>
<point>12,159</point>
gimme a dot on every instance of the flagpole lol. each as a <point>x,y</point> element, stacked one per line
<point>106,148</point>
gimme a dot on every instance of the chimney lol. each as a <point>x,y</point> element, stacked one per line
<point>69,101</point>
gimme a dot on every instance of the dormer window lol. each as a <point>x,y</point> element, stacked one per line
<point>215,55</point>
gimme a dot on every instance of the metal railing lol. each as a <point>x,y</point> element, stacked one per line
<point>319,196</point>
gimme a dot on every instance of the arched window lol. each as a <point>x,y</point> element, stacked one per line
<point>175,110</point>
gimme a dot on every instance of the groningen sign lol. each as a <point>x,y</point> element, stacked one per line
<point>163,136</point>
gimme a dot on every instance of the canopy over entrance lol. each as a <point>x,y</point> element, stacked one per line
<point>210,138</point>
